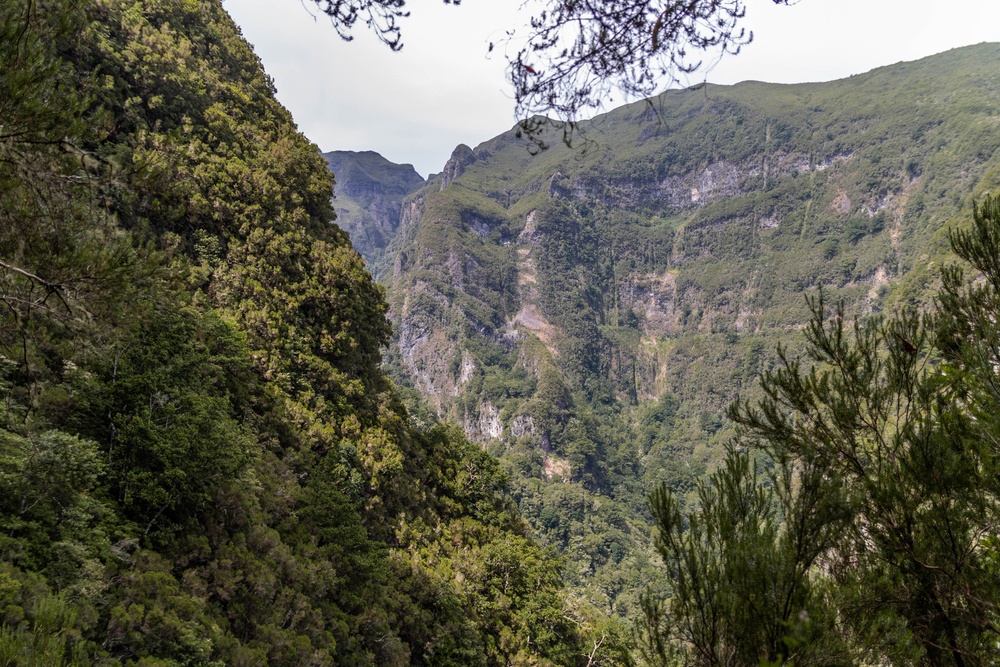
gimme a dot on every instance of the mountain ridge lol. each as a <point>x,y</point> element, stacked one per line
<point>588,314</point>
<point>368,196</point>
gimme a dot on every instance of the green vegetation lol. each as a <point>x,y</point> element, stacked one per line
<point>201,461</point>
<point>872,539</point>
<point>588,315</point>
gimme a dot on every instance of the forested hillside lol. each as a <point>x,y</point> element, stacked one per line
<point>201,461</point>
<point>588,314</point>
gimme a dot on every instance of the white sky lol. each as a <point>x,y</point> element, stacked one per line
<point>415,106</point>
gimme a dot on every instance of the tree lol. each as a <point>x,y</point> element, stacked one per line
<point>578,53</point>
<point>885,470</point>
<point>381,16</point>
<point>59,253</point>
<point>742,579</point>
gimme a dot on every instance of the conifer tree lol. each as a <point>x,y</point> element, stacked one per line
<point>885,473</point>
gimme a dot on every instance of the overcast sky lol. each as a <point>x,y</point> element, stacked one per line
<point>416,105</point>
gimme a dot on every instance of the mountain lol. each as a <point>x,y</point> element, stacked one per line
<point>588,313</point>
<point>202,461</point>
<point>369,195</point>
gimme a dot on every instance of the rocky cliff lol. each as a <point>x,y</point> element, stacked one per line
<point>368,199</point>
<point>589,312</point>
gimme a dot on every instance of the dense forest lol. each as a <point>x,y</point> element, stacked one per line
<point>614,432</point>
<point>202,461</point>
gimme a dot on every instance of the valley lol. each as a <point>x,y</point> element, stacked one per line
<point>588,313</point>
<point>713,384</point>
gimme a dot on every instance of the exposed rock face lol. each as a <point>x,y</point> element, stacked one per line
<point>694,188</point>
<point>487,426</point>
<point>460,158</point>
<point>553,466</point>
<point>653,298</point>
<point>522,425</point>
<point>531,317</point>
<point>559,186</point>
<point>368,200</point>
<point>424,345</point>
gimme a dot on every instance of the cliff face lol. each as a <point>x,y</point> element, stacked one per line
<point>701,215</point>
<point>368,199</point>
<point>551,303</point>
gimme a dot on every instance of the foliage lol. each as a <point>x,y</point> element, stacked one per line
<point>201,461</point>
<point>885,469</point>
<point>577,55</point>
<point>741,565</point>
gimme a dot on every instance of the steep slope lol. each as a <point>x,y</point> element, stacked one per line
<point>201,461</point>
<point>369,195</point>
<point>588,314</point>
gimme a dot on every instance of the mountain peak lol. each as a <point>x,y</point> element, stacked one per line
<point>460,158</point>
